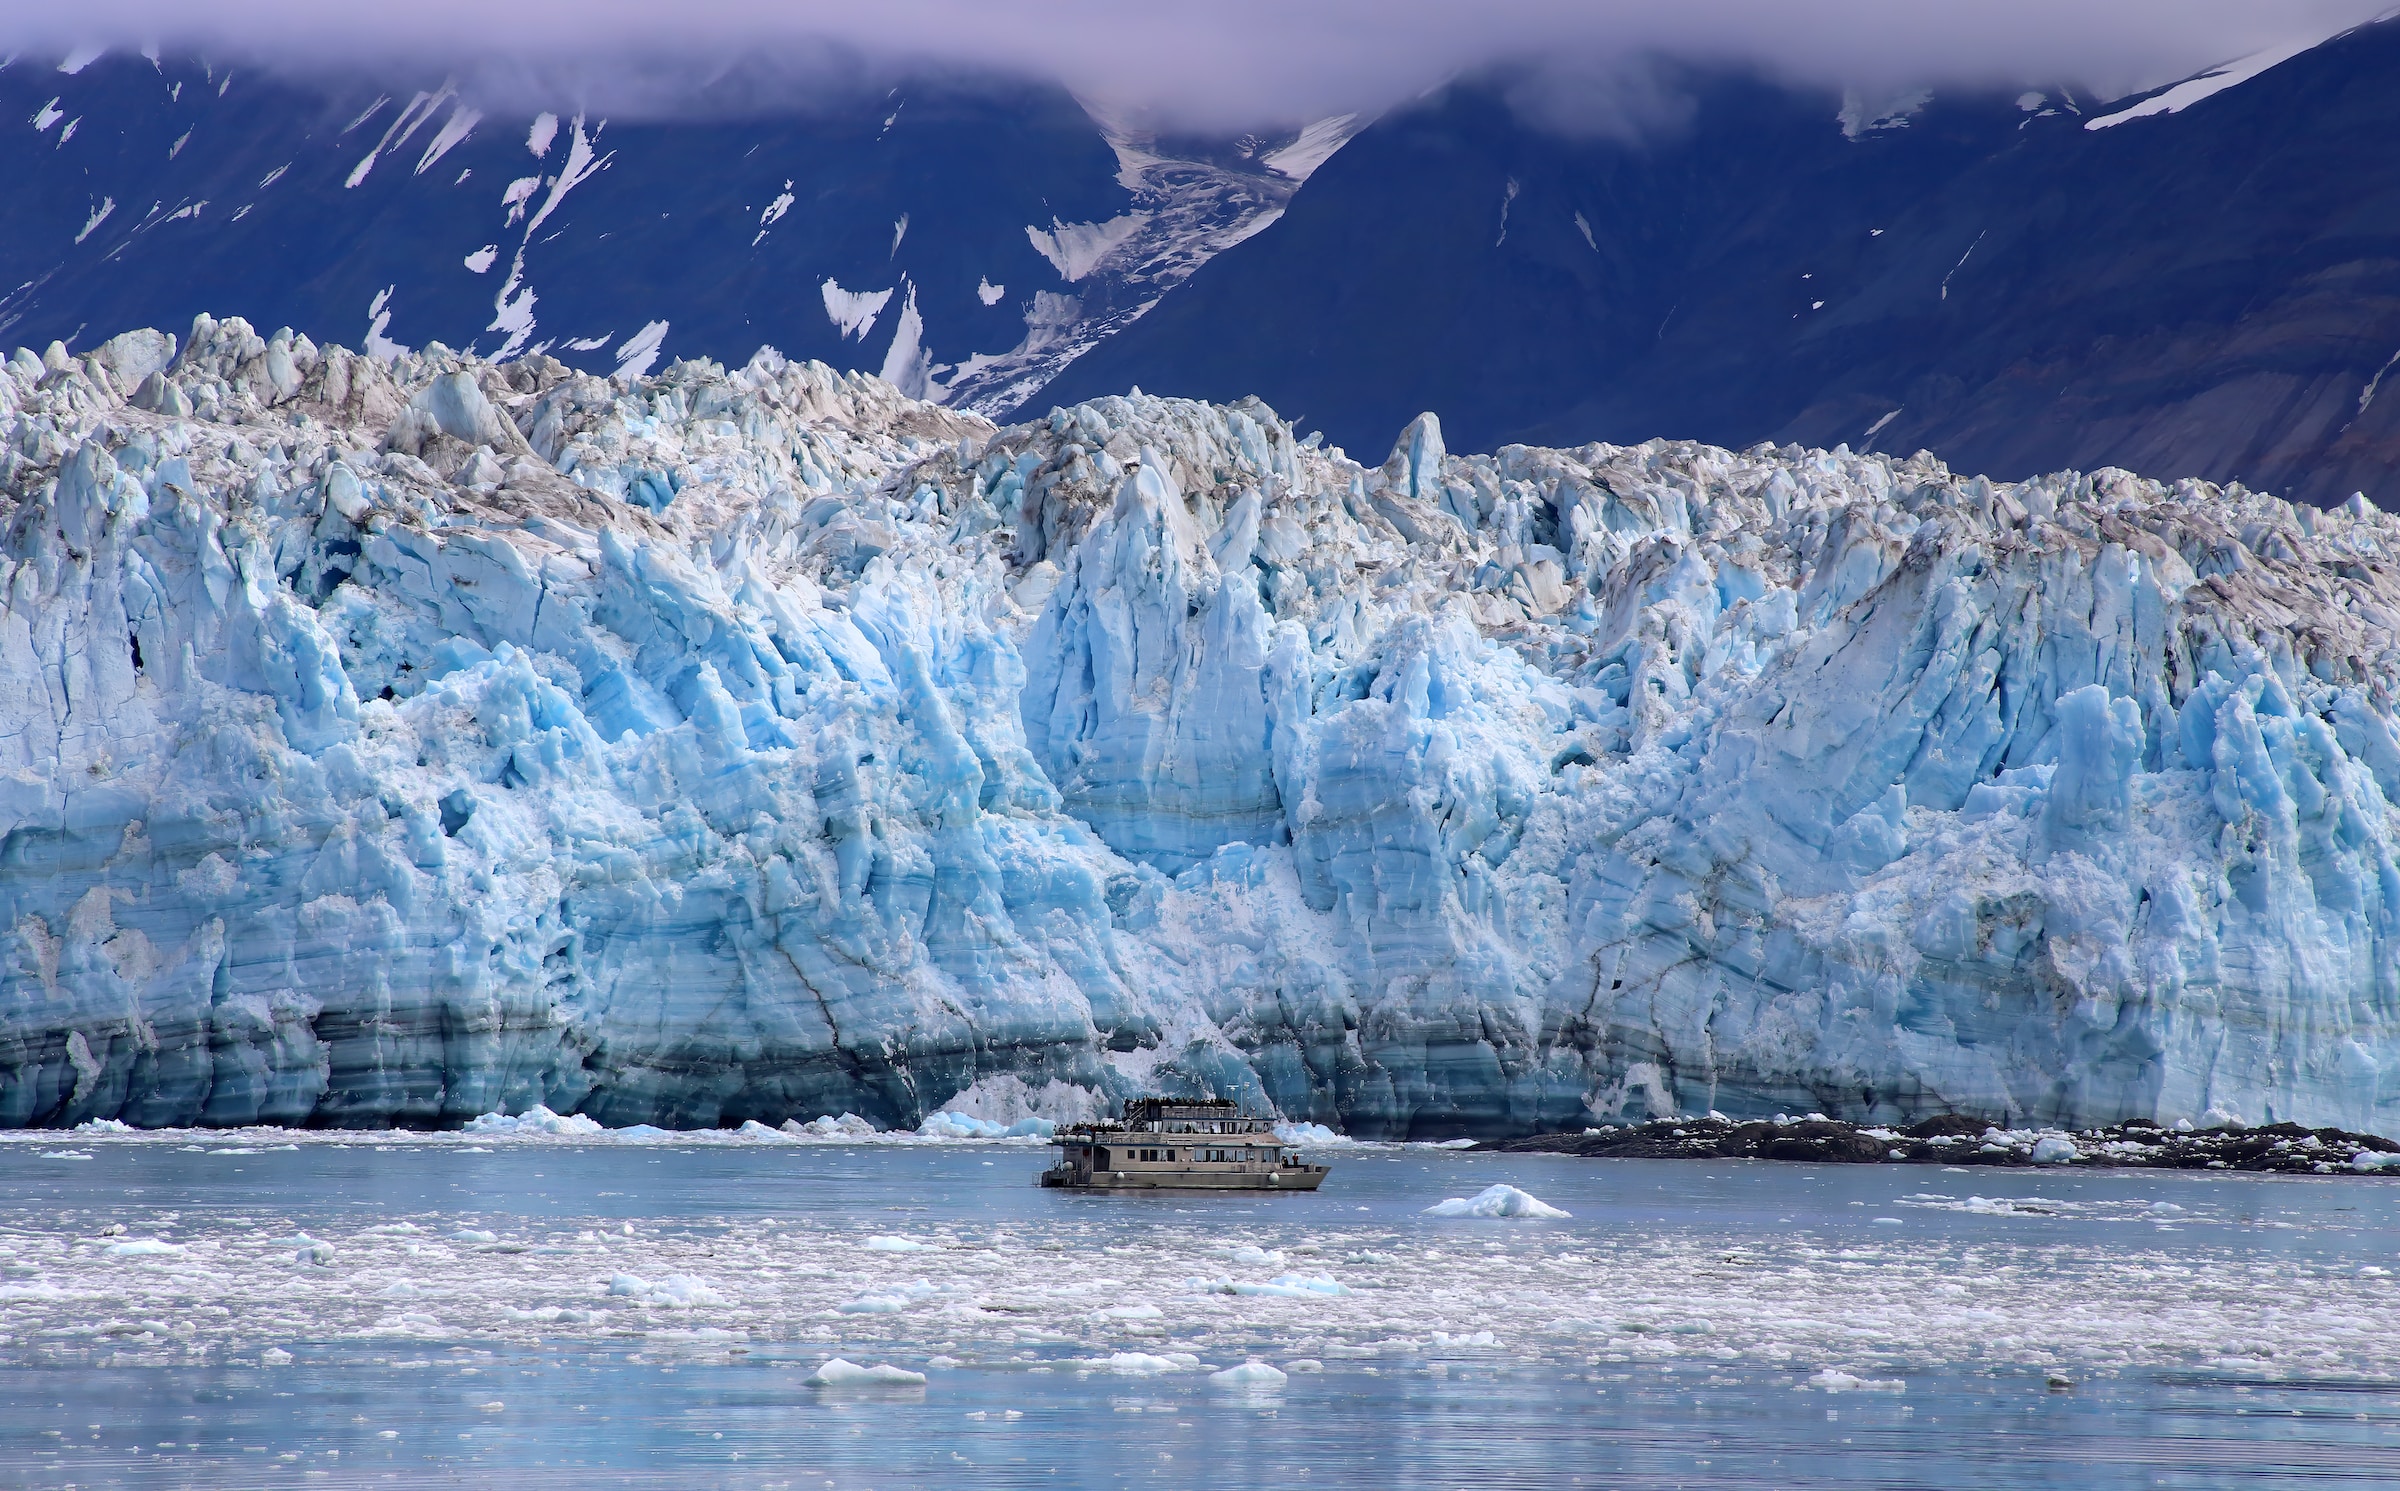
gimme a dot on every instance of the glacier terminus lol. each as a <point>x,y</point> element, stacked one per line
<point>388,740</point>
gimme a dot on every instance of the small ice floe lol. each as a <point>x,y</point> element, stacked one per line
<point>1130,1312</point>
<point>1141,1363</point>
<point>1996,1206</point>
<point>104,1126</point>
<point>64,1154</point>
<point>2368,1161</point>
<point>305,1249</point>
<point>1835,1380</point>
<point>884,1243</point>
<point>2057,1381</point>
<point>674,1292</point>
<point>1250,1256</point>
<point>474,1235</point>
<point>143,1247</point>
<point>848,1126</point>
<point>2054,1149</point>
<point>274,1356</point>
<point>757,1133</point>
<point>1252,1376</point>
<point>537,1120</point>
<point>1495,1201</point>
<point>873,1304</point>
<point>1282,1286</point>
<point>1304,1364</point>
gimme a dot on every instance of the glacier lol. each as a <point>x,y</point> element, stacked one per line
<point>395,740</point>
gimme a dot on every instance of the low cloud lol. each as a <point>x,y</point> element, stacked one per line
<point>1219,64</point>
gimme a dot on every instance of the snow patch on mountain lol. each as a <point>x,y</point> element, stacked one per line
<point>2207,85</point>
<point>1076,249</point>
<point>854,311</point>
<point>1187,209</point>
<point>1316,145</point>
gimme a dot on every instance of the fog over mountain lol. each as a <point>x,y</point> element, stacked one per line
<point>1233,65</point>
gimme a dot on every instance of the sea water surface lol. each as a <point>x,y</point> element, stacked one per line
<point>224,1309</point>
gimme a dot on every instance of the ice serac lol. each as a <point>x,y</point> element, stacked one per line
<point>402,742</point>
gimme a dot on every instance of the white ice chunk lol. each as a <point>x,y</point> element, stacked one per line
<point>674,1292</point>
<point>1143,1363</point>
<point>1495,1201</point>
<point>1835,1380</point>
<point>536,1120</point>
<point>839,1373</point>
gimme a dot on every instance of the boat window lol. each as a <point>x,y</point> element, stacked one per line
<point>1101,1162</point>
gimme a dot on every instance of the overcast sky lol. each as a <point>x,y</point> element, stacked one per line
<point>1225,62</point>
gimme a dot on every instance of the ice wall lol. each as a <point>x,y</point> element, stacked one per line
<point>394,742</point>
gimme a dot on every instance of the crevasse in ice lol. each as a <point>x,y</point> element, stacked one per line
<point>401,742</point>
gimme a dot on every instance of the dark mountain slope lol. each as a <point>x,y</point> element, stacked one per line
<point>143,191</point>
<point>2211,292</point>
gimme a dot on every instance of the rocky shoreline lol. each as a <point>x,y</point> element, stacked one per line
<point>1956,1140</point>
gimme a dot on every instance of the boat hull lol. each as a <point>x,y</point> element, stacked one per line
<point>1298,1178</point>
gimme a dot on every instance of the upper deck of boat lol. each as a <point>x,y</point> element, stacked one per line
<point>1175,1116</point>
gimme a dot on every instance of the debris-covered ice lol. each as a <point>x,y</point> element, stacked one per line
<point>401,741</point>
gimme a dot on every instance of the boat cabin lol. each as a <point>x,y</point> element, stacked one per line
<point>1183,1144</point>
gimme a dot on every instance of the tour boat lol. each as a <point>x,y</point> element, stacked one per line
<point>1176,1144</point>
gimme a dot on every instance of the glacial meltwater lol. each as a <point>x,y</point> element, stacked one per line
<point>272,1308</point>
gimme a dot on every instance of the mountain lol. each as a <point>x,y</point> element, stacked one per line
<point>393,740</point>
<point>2202,282</point>
<point>964,239</point>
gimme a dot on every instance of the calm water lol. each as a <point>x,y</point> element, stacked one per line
<point>435,1311</point>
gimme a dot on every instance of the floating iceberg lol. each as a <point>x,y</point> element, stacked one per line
<point>1495,1201</point>
<point>402,742</point>
<point>1143,1363</point>
<point>674,1292</point>
<point>839,1373</point>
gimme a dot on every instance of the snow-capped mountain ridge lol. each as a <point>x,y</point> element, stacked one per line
<point>404,217</point>
<point>410,739</point>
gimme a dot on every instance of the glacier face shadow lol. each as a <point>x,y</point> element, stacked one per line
<point>392,740</point>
